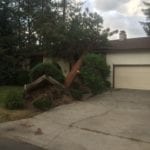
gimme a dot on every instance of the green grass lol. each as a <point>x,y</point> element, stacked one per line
<point>4,90</point>
<point>11,115</point>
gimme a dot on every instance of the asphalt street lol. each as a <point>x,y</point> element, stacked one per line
<point>9,144</point>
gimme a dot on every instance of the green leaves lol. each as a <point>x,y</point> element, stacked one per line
<point>146,24</point>
<point>27,27</point>
<point>95,72</point>
<point>46,69</point>
<point>14,100</point>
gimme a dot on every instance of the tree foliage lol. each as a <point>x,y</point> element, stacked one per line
<point>146,24</point>
<point>46,69</point>
<point>40,25</point>
<point>82,31</point>
<point>95,72</point>
<point>62,29</point>
<point>7,42</point>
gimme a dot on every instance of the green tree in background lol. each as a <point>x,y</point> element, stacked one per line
<point>40,26</point>
<point>146,24</point>
<point>8,43</point>
<point>82,31</point>
<point>62,29</point>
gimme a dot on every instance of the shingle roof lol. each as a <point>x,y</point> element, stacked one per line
<point>134,44</point>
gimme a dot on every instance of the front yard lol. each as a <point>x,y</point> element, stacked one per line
<point>10,115</point>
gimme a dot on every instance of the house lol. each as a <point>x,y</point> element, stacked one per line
<point>129,61</point>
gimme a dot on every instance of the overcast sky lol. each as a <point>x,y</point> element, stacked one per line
<point>121,15</point>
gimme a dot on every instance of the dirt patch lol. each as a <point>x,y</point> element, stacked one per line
<point>11,115</point>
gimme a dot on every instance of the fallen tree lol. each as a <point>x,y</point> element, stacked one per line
<point>48,80</point>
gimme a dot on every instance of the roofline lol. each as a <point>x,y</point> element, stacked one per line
<point>110,50</point>
<point>124,50</point>
<point>136,38</point>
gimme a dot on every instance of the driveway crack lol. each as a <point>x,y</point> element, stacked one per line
<point>90,117</point>
<point>112,135</point>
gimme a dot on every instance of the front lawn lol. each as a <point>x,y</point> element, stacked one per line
<point>4,90</point>
<point>10,115</point>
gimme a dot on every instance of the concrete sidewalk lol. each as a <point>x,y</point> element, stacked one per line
<point>117,120</point>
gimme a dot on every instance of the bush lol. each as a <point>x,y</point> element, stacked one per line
<point>57,65</point>
<point>14,100</point>
<point>47,69</point>
<point>76,94</point>
<point>42,103</point>
<point>22,77</point>
<point>95,72</point>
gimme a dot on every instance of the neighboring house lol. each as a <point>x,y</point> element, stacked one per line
<point>129,61</point>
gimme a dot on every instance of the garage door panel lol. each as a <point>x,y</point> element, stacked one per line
<point>132,77</point>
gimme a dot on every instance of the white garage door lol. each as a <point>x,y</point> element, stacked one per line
<point>132,77</point>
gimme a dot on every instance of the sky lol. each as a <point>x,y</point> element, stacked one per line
<point>121,14</point>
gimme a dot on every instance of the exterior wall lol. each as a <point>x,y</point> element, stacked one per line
<point>47,59</point>
<point>129,58</point>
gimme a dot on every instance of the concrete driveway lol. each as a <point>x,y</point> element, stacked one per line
<point>115,120</point>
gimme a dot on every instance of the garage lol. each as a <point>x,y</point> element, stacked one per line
<point>131,77</point>
<point>129,61</point>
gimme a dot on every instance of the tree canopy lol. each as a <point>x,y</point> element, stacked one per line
<point>62,29</point>
<point>146,24</point>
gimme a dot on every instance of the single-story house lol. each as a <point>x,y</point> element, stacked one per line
<point>129,61</point>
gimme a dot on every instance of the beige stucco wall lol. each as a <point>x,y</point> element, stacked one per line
<point>47,59</point>
<point>126,58</point>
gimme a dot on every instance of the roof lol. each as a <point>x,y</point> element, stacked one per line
<point>129,45</point>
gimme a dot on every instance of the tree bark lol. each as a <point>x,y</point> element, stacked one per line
<point>36,83</point>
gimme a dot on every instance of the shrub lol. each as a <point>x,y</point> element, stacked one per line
<point>42,103</point>
<point>47,69</point>
<point>76,93</point>
<point>14,100</point>
<point>97,62</point>
<point>94,73</point>
<point>22,77</point>
<point>57,65</point>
